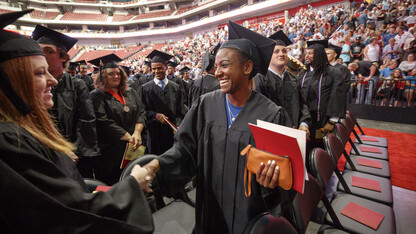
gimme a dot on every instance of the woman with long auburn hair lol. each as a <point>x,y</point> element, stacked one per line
<point>42,190</point>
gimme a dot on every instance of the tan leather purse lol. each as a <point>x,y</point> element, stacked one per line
<point>255,157</point>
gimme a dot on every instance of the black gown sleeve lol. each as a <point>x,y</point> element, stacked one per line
<point>104,122</point>
<point>40,198</point>
<point>87,144</point>
<point>336,106</point>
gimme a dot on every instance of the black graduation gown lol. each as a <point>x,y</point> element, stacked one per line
<point>332,102</point>
<point>41,193</point>
<point>145,78</point>
<point>113,123</point>
<point>185,86</point>
<point>346,75</point>
<point>202,86</point>
<point>134,84</point>
<point>75,118</point>
<point>175,79</point>
<point>168,102</point>
<point>285,93</point>
<point>205,147</point>
<point>88,81</point>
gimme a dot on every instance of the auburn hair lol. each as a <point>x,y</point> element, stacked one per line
<point>102,82</point>
<point>38,122</point>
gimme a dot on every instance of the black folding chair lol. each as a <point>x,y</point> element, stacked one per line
<point>335,148</point>
<point>322,166</point>
<point>365,162</point>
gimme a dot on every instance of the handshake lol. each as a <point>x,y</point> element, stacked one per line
<point>145,175</point>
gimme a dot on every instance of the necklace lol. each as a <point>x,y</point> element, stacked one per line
<point>229,111</point>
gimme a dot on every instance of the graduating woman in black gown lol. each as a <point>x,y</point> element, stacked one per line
<point>121,117</point>
<point>212,135</point>
<point>41,189</point>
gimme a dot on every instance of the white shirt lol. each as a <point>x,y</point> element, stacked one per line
<point>157,82</point>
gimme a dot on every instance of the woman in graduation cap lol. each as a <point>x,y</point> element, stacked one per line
<point>42,191</point>
<point>121,117</point>
<point>208,82</point>
<point>212,135</point>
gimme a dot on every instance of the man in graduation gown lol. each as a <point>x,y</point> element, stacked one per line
<point>162,99</point>
<point>282,87</point>
<point>42,191</point>
<point>72,107</point>
<point>185,84</point>
<point>323,90</point>
<point>207,83</point>
<point>209,142</point>
<point>83,75</point>
<point>147,74</point>
<point>72,69</point>
<point>133,82</point>
<point>170,72</point>
<point>333,52</point>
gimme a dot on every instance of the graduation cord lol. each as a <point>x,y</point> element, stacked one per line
<point>319,92</point>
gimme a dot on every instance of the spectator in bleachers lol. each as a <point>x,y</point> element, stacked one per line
<point>388,70</point>
<point>72,107</point>
<point>398,86</point>
<point>372,51</point>
<point>410,87</point>
<point>357,49</point>
<point>392,33</point>
<point>363,18</point>
<point>402,36</point>
<point>345,52</point>
<point>392,50</point>
<point>367,76</point>
<point>409,64</point>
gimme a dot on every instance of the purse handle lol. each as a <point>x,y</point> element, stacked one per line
<point>247,192</point>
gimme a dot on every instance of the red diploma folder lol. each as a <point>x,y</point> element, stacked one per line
<point>365,183</point>
<point>102,188</point>
<point>173,126</point>
<point>363,215</point>
<point>369,163</point>
<point>370,149</point>
<point>280,144</point>
<point>373,139</point>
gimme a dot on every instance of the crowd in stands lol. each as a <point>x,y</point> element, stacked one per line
<point>381,32</point>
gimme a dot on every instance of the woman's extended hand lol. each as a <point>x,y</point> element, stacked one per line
<point>142,177</point>
<point>268,175</point>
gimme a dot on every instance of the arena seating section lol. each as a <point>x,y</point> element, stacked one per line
<point>84,16</point>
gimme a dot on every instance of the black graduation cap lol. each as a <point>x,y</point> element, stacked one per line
<point>335,48</point>
<point>324,43</point>
<point>185,69</point>
<point>96,70</point>
<point>45,35</point>
<point>281,38</point>
<point>109,61</point>
<point>126,70</point>
<point>82,62</point>
<point>72,66</point>
<point>209,58</point>
<point>14,45</point>
<point>147,63</point>
<point>255,46</point>
<point>159,57</point>
<point>172,64</point>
